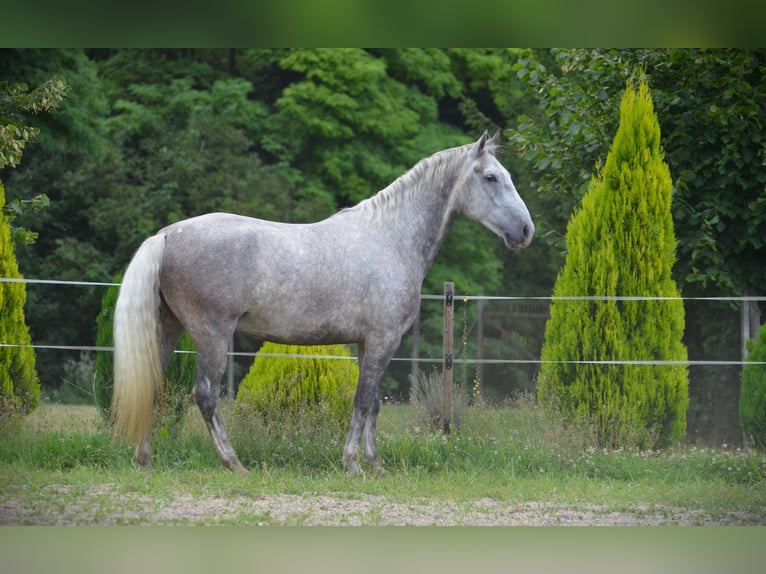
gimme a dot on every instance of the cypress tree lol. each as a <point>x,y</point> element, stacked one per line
<point>621,242</point>
<point>752,393</point>
<point>19,384</point>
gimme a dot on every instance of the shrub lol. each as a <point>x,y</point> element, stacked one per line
<point>19,383</point>
<point>179,376</point>
<point>279,386</point>
<point>621,242</point>
<point>752,393</point>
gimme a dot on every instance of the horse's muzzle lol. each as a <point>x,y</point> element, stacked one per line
<point>521,238</point>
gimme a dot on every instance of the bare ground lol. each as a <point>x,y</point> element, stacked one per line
<point>108,507</point>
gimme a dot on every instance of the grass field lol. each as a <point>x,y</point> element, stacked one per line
<point>504,465</point>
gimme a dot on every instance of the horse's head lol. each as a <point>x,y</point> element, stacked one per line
<point>489,196</point>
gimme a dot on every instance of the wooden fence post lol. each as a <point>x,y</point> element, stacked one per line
<point>479,346</point>
<point>415,354</point>
<point>449,313</point>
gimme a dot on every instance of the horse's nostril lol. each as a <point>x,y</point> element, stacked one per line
<point>526,231</point>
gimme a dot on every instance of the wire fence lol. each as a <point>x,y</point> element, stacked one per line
<point>498,342</point>
<point>540,314</point>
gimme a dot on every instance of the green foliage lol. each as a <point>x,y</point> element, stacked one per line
<point>621,243</point>
<point>709,103</point>
<point>352,121</point>
<point>17,100</point>
<point>179,375</point>
<point>19,207</point>
<point>70,139</point>
<point>752,397</point>
<point>281,385</point>
<point>195,145</point>
<point>710,107</point>
<point>154,136</point>
<point>19,385</point>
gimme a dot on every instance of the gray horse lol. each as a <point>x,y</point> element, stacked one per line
<point>314,283</point>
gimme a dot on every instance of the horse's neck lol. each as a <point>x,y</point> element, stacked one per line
<point>421,219</point>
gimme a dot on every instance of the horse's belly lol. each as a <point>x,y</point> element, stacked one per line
<point>301,328</point>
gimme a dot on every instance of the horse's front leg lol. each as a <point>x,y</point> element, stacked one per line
<point>373,360</point>
<point>352,441</point>
<point>362,425</point>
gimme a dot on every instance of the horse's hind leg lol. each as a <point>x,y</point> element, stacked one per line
<point>370,435</point>
<point>211,362</point>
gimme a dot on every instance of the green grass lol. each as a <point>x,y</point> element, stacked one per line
<point>64,455</point>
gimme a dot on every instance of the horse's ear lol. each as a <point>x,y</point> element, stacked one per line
<point>494,141</point>
<point>479,146</point>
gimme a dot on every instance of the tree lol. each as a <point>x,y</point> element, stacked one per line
<point>621,242</point>
<point>16,102</point>
<point>69,140</point>
<point>712,133</point>
<point>19,385</point>
<point>122,159</point>
<point>710,107</point>
<point>19,382</point>
<point>347,122</point>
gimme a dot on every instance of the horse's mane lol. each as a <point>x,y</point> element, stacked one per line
<point>427,171</point>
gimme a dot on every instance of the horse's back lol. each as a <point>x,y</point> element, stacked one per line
<point>301,283</point>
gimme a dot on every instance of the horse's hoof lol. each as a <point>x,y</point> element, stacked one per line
<point>379,471</point>
<point>353,471</point>
<point>236,466</point>
<point>352,468</point>
<point>376,464</point>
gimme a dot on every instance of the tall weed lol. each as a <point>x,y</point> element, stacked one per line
<point>427,400</point>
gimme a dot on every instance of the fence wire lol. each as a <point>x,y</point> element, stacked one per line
<point>429,297</point>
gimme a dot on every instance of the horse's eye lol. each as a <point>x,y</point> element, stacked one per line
<point>490,177</point>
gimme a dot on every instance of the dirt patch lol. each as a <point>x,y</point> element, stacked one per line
<point>105,508</point>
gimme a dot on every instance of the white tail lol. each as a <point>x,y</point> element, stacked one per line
<point>137,369</point>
